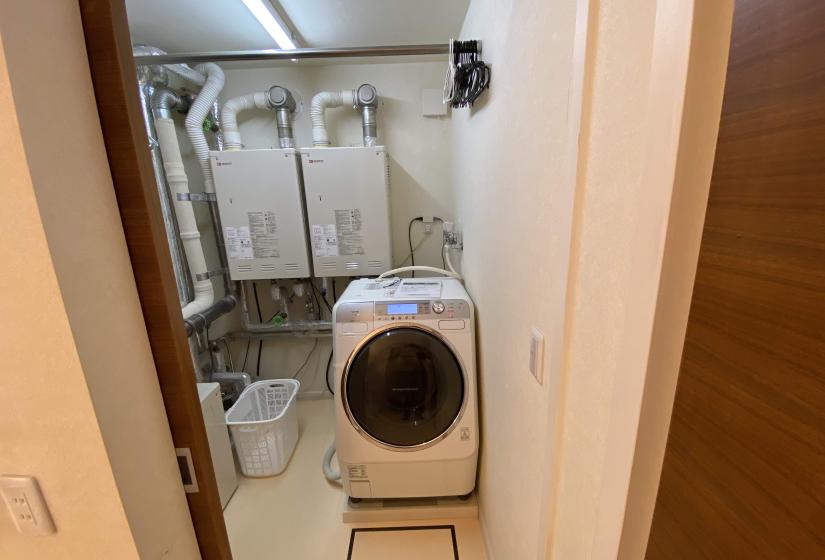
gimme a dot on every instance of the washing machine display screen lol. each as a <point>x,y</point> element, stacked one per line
<point>402,308</point>
<point>405,387</point>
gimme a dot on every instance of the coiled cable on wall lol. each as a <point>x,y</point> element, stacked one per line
<point>467,75</point>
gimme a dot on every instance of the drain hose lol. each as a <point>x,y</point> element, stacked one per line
<point>331,474</point>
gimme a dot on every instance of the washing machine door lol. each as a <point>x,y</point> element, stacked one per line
<point>404,387</point>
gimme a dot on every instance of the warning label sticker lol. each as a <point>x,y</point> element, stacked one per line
<point>350,237</point>
<point>324,240</point>
<point>264,232</point>
<point>238,242</point>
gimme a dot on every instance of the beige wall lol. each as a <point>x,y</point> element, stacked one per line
<point>86,413</point>
<point>513,157</point>
<point>709,43</point>
<point>556,460</point>
<point>642,188</point>
<point>49,428</point>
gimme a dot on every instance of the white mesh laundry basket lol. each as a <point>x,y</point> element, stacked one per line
<point>264,426</point>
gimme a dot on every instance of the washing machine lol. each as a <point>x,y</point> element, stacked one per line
<point>405,388</point>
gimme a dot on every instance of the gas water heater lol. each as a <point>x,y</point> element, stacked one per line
<point>347,201</point>
<point>260,200</point>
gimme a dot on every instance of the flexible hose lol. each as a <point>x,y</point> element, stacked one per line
<point>319,104</point>
<point>451,274</point>
<point>229,117</point>
<point>330,474</point>
<point>197,113</point>
<point>448,261</point>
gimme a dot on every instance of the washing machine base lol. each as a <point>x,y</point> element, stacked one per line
<point>411,479</point>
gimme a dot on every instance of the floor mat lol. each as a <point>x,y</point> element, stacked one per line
<point>433,542</point>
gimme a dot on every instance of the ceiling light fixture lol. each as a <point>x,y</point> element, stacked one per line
<point>275,28</point>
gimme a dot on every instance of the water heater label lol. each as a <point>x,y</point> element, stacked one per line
<point>324,240</point>
<point>264,233</point>
<point>238,243</point>
<point>349,226</point>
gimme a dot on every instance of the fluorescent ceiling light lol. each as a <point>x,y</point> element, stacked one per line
<point>272,26</point>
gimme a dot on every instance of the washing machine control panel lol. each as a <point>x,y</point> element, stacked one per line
<point>392,311</point>
<point>421,310</point>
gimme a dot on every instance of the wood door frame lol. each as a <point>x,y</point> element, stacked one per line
<point>109,50</point>
<point>681,157</point>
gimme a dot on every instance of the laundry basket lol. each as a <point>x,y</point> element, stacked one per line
<point>264,426</point>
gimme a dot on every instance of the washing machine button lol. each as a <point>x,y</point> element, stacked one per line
<point>456,325</point>
<point>438,307</point>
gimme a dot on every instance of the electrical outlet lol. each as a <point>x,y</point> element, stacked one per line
<point>537,354</point>
<point>26,505</point>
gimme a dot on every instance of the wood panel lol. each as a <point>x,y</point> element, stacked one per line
<point>744,469</point>
<point>116,91</point>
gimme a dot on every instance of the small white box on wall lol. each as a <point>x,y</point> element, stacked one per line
<point>432,104</point>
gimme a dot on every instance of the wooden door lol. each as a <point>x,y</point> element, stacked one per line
<point>114,78</point>
<point>744,469</point>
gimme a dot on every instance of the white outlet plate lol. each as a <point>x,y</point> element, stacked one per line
<point>537,354</point>
<point>26,505</point>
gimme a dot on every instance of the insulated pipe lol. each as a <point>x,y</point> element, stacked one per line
<point>182,276</point>
<point>189,234</point>
<point>182,70</point>
<point>320,102</point>
<point>197,322</point>
<point>197,113</point>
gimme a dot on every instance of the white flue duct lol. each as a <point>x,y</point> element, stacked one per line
<point>197,113</point>
<point>229,116</point>
<point>189,234</point>
<point>320,102</point>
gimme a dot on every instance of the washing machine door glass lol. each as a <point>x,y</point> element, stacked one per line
<point>404,387</point>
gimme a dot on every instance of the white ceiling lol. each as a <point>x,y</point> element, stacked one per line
<point>187,26</point>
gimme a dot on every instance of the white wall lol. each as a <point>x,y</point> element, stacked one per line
<point>513,178</point>
<point>420,180</point>
<point>556,460</point>
<point>653,97</point>
<point>82,409</point>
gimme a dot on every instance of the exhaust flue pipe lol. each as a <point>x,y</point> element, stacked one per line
<point>275,98</point>
<point>365,99</point>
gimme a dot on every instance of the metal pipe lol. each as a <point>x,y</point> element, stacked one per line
<point>286,331</point>
<point>164,100</point>
<point>366,99</point>
<point>284,104</point>
<point>287,327</point>
<point>217,228</point>
<point>195,323</point>
<point>276,54</point>
<point>183,279</point>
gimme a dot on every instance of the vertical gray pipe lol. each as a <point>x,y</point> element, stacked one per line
<point>228,286</point>
<point>182,277</point>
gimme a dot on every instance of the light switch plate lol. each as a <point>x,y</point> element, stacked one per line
<point>537,354</point>
<point>26,505</point>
